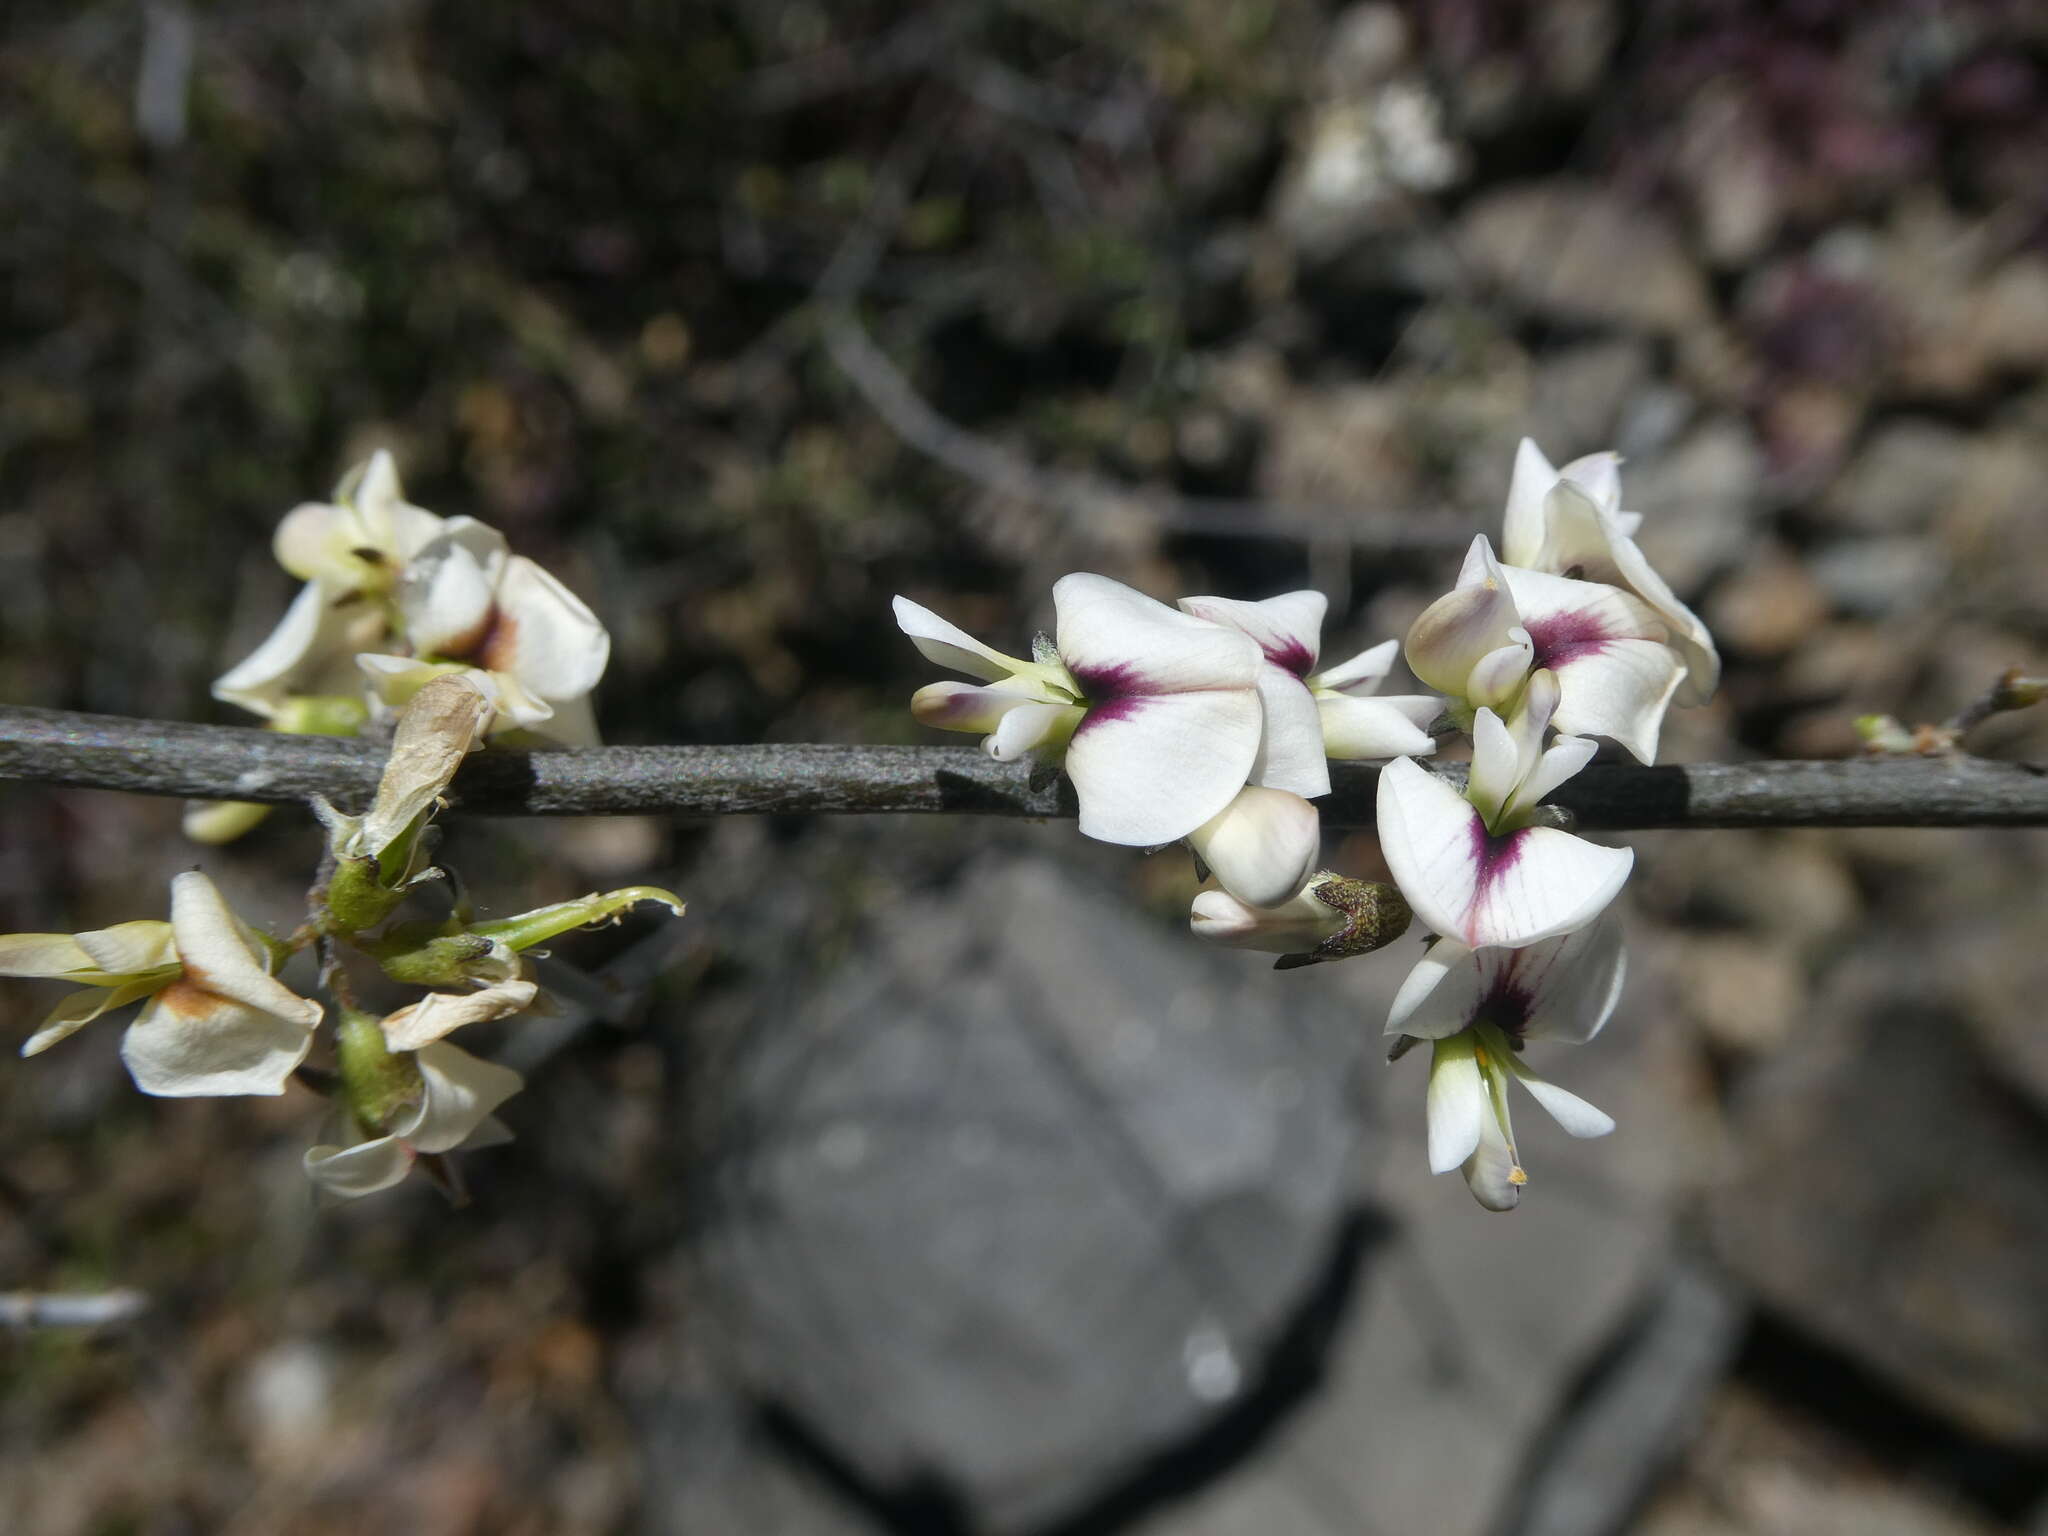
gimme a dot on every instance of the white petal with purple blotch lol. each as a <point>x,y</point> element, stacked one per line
<point>1150,769</point>
<point>1561,989</point>
<point>1288,629</point>
<point>1467,884</point>
<point>1119,643</point>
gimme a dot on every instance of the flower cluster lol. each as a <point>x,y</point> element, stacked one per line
<point>395,595</point>
<point>429,630</point>
<point>1211,724</point>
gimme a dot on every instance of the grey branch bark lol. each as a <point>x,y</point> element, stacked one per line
<point>225,762</point>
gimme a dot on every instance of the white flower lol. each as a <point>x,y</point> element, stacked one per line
<point>216,1020</point>
<point>466,601</point>
<point>363,541</point>
<point>1158,713</point>
<point>1311,715</point>
<point>1481,641</point>
<point>1570,521</point>
<point>457,1094</point>
<point>1478,1007</point>
<point>1473,866</point>
<point>1262,845</point>
<point>350,554</point>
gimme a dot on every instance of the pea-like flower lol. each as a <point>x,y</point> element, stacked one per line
<point>466,602</point>
<point>1570,521</point>
<point>1478,1008</point>
<point>351,554</point>
<point>1481,641</point>
<point>1310,715</point>
<point>1155,713</point>
<point>216,1020</point>
<point>1478,867</point>
<point>446,1104</point>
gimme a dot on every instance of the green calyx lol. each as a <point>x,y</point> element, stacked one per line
<point>377,1082</point>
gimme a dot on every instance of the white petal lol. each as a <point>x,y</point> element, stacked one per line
<point>1457,1104</point>
<point>1428,833</point>
<point>1119,644</point>
<point>1569,1110</point>
<point>1262,845</point>
<point>1521,534</point>
<point>1687,633</point>
<point>1288,628</point>
<point>1439,997</point>
<point>1148,770</point>
<point>363,1169</point>
<point>544,635</point>
<point>219,956</point>
<point>1294,927</point>
<point>1505,891</point>
<point>438,1013</point>
<point>42,954</point>
<point>461,1092</point>
<point>1553,884</point>
<point>1465,626</point>
<point>1496,766</point>
<point>1565,757</point>
<point>1030,727</point>
<point>1568,986</point>
<point>447,595</point>
<point>1291,754</point>
<point>261,679</point>
<point>1355,728</point>
<point>965,706</point>
<point>1560,989</point>
<point>1493,1173</point>
<point>1620,692</point>
<point>189,1042</point>
<point>1599,476</point>
<point>313,542</point>
<point>947,645</point>
<point>128,949</point>
<point>570,725</point>
<point>71,1015</point>
<point>1499,675</point>
<point>1362,674</point>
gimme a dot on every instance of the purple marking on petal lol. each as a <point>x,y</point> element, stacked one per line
<point>1100,685</point>
<point>1292,655</point>
<point>1493,856</point>
<point>1113,709</point>
<point>1566,637</point>
<point>1509,1001</point>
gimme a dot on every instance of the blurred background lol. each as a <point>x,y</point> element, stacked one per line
<point>940,1185</point>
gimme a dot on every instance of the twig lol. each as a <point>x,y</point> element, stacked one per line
<point>159,757</point>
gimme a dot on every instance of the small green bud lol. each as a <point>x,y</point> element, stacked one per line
<point>376,1082</point>
<point>426,955</point>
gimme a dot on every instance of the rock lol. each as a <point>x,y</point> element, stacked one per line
<point>1879,578</point>
<point>1902,480</point>
<point>1471,1328</point>
<point>1342,448</point>
<point>1577,395</point>
<point>1576,252</point>
<point>1700,500</point>
<point>1760,1467</point>
<point>1887,1195</point>
<point>1028,1186</point>
<point>1769,607</point>
<point>1745,993</point>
